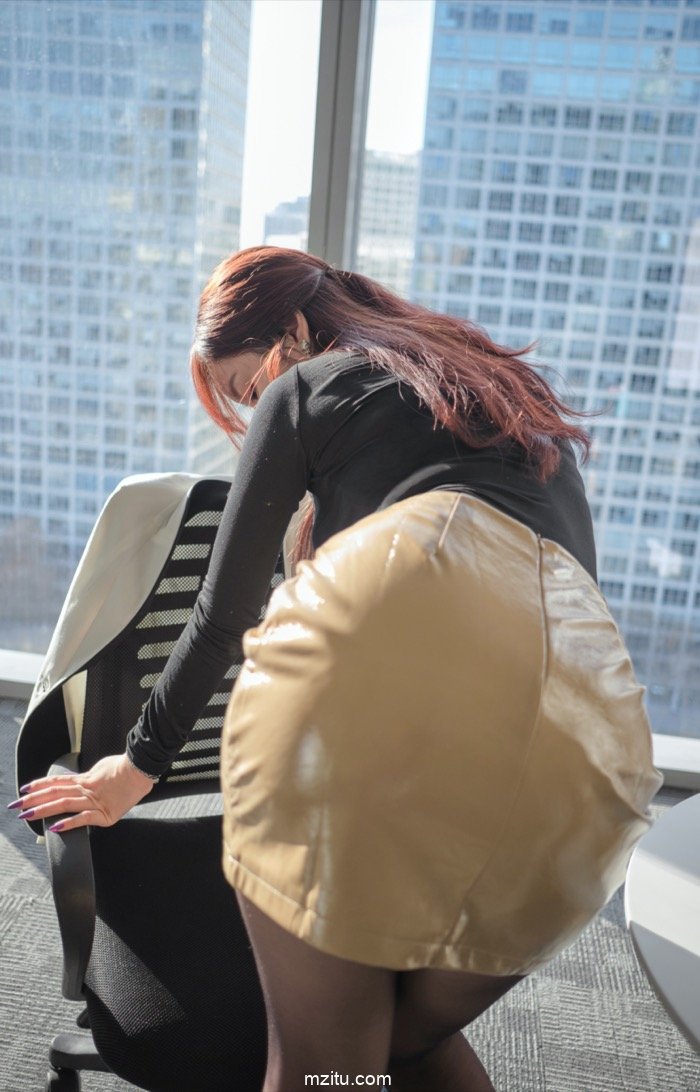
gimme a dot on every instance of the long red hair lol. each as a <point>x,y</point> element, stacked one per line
<point>483,392</point>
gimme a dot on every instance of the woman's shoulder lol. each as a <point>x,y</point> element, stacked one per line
<point>327,365</point>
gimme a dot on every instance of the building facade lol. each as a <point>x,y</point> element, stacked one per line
<point>121,151</point>
<point>560,202</point>
<point>386,236</point>
<point>288,224</point>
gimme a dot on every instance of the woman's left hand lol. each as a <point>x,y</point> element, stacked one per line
<point>98,798</point>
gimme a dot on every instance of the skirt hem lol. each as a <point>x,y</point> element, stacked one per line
<point>363,946</point>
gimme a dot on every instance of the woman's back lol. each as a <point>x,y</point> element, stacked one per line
<point>367,442</point>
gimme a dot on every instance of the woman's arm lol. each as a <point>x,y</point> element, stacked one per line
<point>270,480</point>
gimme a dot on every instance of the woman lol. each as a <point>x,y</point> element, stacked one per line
<point>436,759</point>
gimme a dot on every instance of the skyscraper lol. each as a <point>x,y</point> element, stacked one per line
<point>121,149</point>
<point>560,200</point>
<point>386,237</point>
<point>288,224</point>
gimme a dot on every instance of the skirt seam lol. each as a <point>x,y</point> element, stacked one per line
<point>448,522</point>
<point>537,720</point>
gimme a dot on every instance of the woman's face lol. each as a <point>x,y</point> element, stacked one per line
<point>241,377</point>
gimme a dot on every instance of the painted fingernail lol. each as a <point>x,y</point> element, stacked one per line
<point>15,804</point>
<point>25,788</point>
<point>56,828</point>
<point>26,814</point>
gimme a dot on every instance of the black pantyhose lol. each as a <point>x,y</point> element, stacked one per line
<point>332,1016</point>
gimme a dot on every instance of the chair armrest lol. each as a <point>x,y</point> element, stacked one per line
<point>73,888</point>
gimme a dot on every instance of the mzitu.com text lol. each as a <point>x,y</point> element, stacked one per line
<point>326,1080</point>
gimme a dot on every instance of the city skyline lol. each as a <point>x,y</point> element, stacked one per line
<point>122,156</point>
<point>560,203</point>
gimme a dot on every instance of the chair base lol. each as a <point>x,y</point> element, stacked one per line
<point>62,1080</point>
<point>69,1052</point>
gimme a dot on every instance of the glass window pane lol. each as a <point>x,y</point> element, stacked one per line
<point>123,126</point>
<point>569,201</point>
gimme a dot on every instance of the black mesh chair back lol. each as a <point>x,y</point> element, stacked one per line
<point>121,678</point>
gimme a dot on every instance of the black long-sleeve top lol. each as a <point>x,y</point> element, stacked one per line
<point>357,440</point>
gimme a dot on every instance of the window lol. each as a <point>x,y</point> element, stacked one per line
<point>558,291</point>
<point>621,514</point>
<point>567,206</point>
<point>554,320</point>
<point>642,151</point>
<point>646,356</point>
<point>672,184</point>
<point>497,229</point>
<point>558,164</point>
<point>530,233</point>
<point>612,589</point>
<point>512,81</point>
<point>523,290</point>
<point>675,597</point>
<point>554,20</point>
<point>581,350</point>
<point>637,182</point>
<point>602,179</point>
<point>484,16</point>
<point>599,209</point>
<point>577,117</point>
<point>646,383</point>
<point>488,315</point>
<point>563,234</point>
<point>621,298</point>
<point>651,328</point>
<point>573,147</point>
<point>659,272</point>
<point>676,154</point>
<point>510,113</point>
<point>520,317</point>
<point>611,121</point>
<point>634,212</point>
<point>527,260</point>
<point>681,124</point>
<point>533,202</point>
<point>592,267</point>
<point>543,116</point>
<point>492,286</point>
<point>539,144</point>
<point>519,19</point>
<point>503,171</point>
<point>560,263</point>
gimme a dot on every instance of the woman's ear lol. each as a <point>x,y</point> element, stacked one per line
<point>300,328</point>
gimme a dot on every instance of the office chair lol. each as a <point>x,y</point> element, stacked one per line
<point>153,941</point>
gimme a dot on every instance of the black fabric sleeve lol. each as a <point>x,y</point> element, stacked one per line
<point>270,480</point>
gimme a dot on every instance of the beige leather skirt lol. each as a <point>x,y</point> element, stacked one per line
<point>436,754</point>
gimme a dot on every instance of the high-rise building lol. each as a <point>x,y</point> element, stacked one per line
<point>121,152</point>
<point>288,224</point>
<point>386,236</point>
<point>560,200</point>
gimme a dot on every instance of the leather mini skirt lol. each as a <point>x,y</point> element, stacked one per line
<point>436,754</point>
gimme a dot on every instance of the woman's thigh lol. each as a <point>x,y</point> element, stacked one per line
<point>431,1005</point>
<point>324,1013</point>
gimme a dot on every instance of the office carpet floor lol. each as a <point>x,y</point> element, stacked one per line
<point>588,1023</point>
